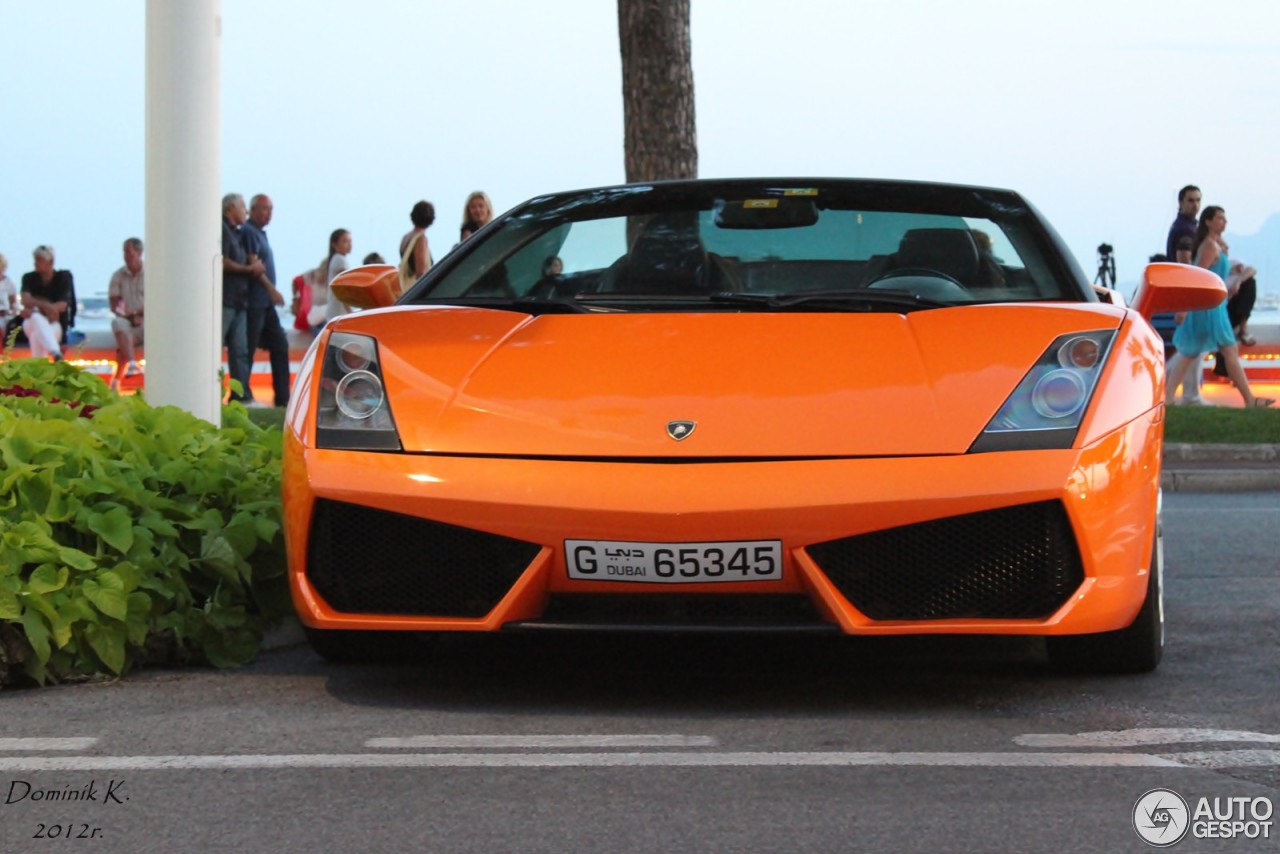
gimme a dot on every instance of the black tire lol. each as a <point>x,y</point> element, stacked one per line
<point>341,646</point>
<point>1135,649</point>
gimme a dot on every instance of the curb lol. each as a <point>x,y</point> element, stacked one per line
<point>1205,453</point>
<point>1220,468</point>
<point>1220,480</point>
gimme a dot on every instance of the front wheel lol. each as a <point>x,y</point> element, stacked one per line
<point>1135,649</point>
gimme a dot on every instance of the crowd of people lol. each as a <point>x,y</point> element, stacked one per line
<point>42,311</point>
<point>1221,329</point>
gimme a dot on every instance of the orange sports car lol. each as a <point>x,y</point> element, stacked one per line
<point>855,406</point>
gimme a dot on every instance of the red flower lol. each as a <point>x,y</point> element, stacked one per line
<point>86,410</point>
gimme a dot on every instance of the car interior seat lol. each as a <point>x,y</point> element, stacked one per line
<point>668,257</point>
<point>951,251</point>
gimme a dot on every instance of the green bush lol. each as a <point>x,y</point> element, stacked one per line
<point>130,533</point>
<point>1222,425</point>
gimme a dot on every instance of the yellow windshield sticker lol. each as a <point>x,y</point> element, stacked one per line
<point>807,191</point>
<point>751,204</point>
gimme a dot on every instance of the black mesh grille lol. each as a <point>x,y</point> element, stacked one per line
<point>682,611</point>
<point>1013,563</point>
<point>370,561</point>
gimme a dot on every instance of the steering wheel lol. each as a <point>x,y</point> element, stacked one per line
<point>544,289</point>
<point>927,272</point>
<point>723,277</point>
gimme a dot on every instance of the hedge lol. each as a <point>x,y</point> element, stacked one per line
<point>131,533</point>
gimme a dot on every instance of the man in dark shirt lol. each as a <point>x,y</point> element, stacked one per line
<point>1181,242</point>
<point>1180,246</point>
<point>237,272</point>
<point>264,326</point>
<point>48,300</point>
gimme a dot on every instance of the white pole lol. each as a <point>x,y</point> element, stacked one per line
<point>183,211</point>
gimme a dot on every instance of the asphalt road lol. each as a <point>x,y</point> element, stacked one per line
<point>555,744</point>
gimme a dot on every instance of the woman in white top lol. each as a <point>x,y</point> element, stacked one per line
<point>335,263</point>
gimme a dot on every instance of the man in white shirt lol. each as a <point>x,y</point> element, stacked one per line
<point>125,294</point>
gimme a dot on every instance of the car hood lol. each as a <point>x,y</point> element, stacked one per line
<point>481,381</point>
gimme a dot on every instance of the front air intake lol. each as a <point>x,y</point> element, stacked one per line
<point>367,561</point>
<point>1007,564</point>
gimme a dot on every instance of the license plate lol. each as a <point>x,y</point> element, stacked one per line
<point>674,563</point>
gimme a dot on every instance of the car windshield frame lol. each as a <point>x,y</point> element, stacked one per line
<point>743,212</point>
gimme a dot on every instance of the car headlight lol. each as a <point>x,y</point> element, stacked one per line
<point>353,412</point>
<point>1045,409</point>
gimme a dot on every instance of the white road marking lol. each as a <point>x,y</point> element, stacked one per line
<point>46,743</point>
<point>542,741</point>
<point>1136,737</point>
<point>1229,758</point>
<point>623,760</point>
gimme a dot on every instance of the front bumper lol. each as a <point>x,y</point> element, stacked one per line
<point>1106,495</point>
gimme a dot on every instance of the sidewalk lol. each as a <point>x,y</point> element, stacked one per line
<point>1220,468</point>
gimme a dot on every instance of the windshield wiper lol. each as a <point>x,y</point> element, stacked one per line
<point>860,300</point>
<point>623,296</point>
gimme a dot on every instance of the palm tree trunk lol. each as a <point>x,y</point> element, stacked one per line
<point>661,140</point>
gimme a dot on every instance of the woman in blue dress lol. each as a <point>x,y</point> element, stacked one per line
<point>1204,331</point>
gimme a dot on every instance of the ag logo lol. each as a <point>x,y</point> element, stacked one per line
<point>679,430</point>
<point>1161,817</point>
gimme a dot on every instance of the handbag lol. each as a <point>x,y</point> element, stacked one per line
<point>301,303</point>
<point>407,276</point>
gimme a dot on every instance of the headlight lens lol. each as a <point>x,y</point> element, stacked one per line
<point>359,395</point>
<point>1046,408</point>
<point>1058,394</point>
<point>355,352</point>
<point>353,411</point>
<point>1080,351</point>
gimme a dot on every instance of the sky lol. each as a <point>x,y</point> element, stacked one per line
<point>347,113</point>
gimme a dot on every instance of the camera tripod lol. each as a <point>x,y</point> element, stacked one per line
<point>1106,276</point>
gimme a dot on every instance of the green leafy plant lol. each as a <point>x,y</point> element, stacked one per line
<point>130,533</point>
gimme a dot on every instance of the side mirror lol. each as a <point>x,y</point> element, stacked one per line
<point>370,286</point>
<point>1177,287</point>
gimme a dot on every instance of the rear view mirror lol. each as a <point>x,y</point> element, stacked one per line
<point>1177,287</point>
<point>370,286</point>
<point>768,212</point>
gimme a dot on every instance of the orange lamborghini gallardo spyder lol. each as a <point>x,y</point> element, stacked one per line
<point>862,407</point>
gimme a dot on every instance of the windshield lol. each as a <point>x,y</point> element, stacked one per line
<point>697,245</point>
